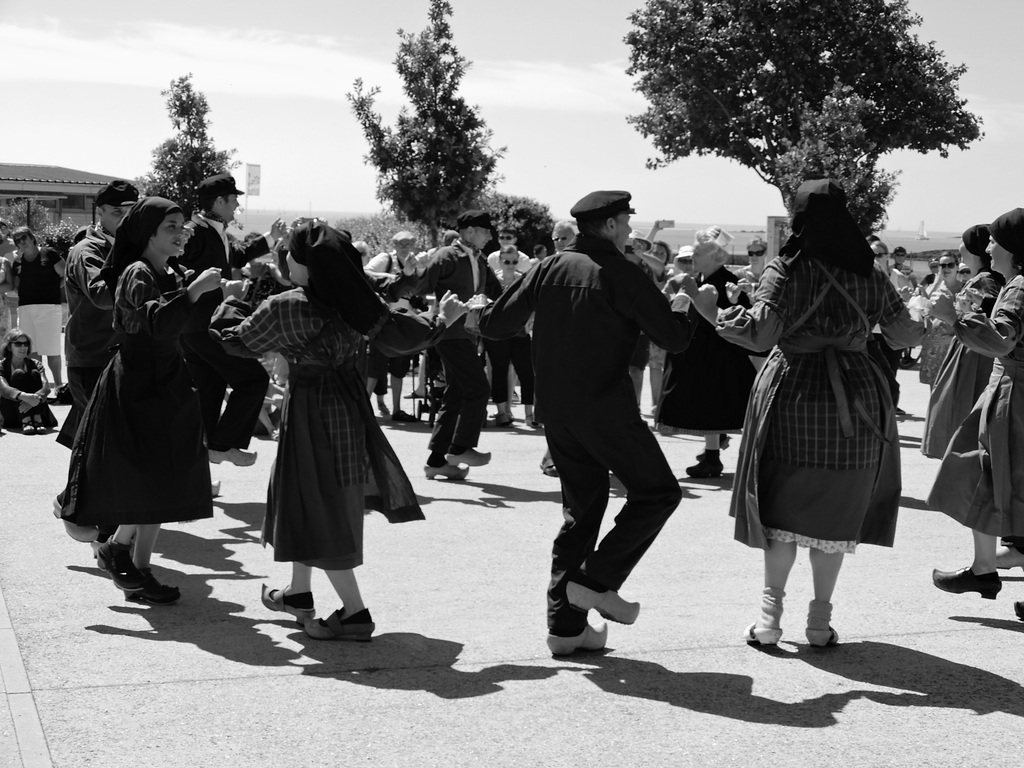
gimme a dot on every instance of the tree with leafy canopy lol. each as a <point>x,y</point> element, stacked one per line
<point>188,157</point>
<point>796,89</point>
<point>437,159</point>
<point>529,219</point>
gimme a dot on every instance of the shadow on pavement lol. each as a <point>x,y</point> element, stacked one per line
<point>1013,625</point>
<point>405,661</point>
<point>498,496</point>
<point>925,680</point>
<point>713,693</point>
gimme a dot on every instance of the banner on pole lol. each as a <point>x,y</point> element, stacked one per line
<point>252,180</point>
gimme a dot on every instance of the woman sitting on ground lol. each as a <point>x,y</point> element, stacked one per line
<point>23,387</point>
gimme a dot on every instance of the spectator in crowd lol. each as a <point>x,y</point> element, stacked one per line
<point>507,240</point>
<point>378,366</point>
<point>37,279</point>
<point>514,350</point>
<point>888,358</point>
<point>940,334</point>
<point>23,386</point>
<point>8,296</point>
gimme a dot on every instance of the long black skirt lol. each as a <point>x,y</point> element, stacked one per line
<point>138,455</point>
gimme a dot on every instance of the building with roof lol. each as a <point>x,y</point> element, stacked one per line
<point>64,192</point>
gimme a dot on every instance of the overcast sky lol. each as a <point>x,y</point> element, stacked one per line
<point>81,84</point>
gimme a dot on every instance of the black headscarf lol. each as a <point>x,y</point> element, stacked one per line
<point>1008,231</point>
<point>336,276</point>
<point>823,229</point>
<point>133,235</point>
<point>976,240</point>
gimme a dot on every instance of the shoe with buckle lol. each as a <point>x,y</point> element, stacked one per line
<point>449,471</point>
<point>277,600</point>
<point>607,603</point>
<point>471,457</point>
<point>593,638</point>
<point>358,627</point>
<point>965,580</point>
<point>116,559</point>
<point>235,456</point>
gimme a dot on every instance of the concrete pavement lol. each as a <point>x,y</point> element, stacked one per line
<point>459,674</point>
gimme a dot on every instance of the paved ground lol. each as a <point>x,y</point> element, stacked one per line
<point>458,674</point>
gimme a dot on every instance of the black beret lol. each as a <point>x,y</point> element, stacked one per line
<point>474,218</point>
<point>976,239</point>
<point>118,192</point>
<point>602,205</point>
<point>221,185</point>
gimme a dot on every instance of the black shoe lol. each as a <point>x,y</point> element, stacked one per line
<point>706,467</point>
<point>116,559</point>
<point>153,592</point>
<point>401,415</point>
<point>965,580</point>
<point>1018,608</point>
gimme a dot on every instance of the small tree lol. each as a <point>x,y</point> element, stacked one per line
<point>437,159</point>
<point>378,229</point>
<point>15,213</point>
<point>751,80</point>
<point>188,157</point>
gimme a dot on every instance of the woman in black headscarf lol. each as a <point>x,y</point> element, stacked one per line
<point>819,461</point>
<point>964,373</point>
<point>981,479</point>
<point>138,458</point>
<point>333,462</point>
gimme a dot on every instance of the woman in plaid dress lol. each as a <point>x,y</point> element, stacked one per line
<point>981,479</point>
<point>819,462</point>
<point>333,462</point>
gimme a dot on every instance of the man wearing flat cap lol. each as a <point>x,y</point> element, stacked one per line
<point>89,332</point>
<point>462,269</point>
<point>212,369</point>
<point>590,305</point>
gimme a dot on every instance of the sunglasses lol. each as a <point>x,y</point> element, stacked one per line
<point>505,237</point>
<point>756,253</point>
<point>946,266</point>
<point>19,343</point>
<point>405,242</point>
<point>510,263</point>
<point>22,239</point>
<point>964,271</point>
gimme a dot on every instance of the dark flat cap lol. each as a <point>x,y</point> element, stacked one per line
<point>474,218</point>
<point>221,185</point>
<point>118,192</point>
<point>602,205</point>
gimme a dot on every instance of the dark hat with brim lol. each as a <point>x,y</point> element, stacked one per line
<point>221,185</point>
<point>118,192</point>
<point>602,205</point>
<point>474,218</point>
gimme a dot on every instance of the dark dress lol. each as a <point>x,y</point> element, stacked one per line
<point>707,385</point>
<point>819,461</point>
<point>28,379</point>
<point>138,456</point>
<point>961,378</point>
<point>333,462</point>
<point>980,483</point>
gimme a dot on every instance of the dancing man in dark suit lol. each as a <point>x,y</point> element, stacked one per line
<point>212,369</point>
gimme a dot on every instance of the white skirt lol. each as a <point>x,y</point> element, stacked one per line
<point>41,323</point>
